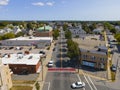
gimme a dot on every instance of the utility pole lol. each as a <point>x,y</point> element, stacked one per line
<point>61,48</point>
<point>117,66</point>
<point>42,68</point>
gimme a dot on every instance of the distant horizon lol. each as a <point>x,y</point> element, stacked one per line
<point>66,20</point>
<point>60,10</point>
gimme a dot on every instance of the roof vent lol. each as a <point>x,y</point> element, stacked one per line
<point>30,57</point>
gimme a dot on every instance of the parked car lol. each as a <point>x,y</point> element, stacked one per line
<point>41,52</point>
<point>111,46</point>
<point>53,49</point>
<point>113,68</point>
<point>11,47</point>
<point>50,64</point>
<point>78,85</point>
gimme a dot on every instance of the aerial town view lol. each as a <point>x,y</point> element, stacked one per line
<point>59,44</point>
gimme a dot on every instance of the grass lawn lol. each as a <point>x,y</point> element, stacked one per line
<point>23,82</point>
<point>113,76</point>
<point>21,88</point>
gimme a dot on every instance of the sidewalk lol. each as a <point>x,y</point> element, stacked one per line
<point>109,58</point>
<point>45,69</point>
<point>81,72</point>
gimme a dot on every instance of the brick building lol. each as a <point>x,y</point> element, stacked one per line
<point>45,31</point>
<point>93,53</point>
<point>22,63</point>
<point>94,58</point>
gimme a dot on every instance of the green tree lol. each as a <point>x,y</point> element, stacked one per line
<point>65,27</point>
<point>117,36</point>
<point>19,34</point>
<point>8,36</point>
<point>29,25</point>
<point>73,49</point>
<point>86,28</point>
<point>37,86</point>
<point>55,34</point>
<point>68,34</point>
<point>110,27</point>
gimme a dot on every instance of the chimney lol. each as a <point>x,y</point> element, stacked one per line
<point>8,55</point>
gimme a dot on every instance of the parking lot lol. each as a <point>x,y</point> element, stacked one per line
<point>16,49</point>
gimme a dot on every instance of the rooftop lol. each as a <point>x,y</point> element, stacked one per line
<point>89,43</point>
<point>30,59</point>
<point>46,28</point>
<point>32,38</point>
<point>93,51</point>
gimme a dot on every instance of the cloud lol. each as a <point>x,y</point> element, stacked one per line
<point>43,4</point>
<point>38,4</point>
<point>4,2</point>
<point>50,3</point>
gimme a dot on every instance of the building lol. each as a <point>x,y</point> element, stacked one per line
<point>27,41</point>
<point>5,77</point>
<point>77,31</point>
<point>94,58</point>
<point>93,53</point>
<point>97,31</point>
<point>22,63</point>
<point>45,31</point>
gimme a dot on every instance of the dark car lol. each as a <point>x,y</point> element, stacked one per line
<point>53,49</point>
<point>113,68</point>
<point>11,47</point>
<point>111,46</point>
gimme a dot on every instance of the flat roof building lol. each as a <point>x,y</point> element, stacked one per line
<point>27,41</point>
<point>22,63</point>
<point>93,53</point>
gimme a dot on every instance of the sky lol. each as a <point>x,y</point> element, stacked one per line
<point>84,10</point>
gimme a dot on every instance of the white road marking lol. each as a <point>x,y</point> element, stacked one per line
<point>92,83</point>
<point>48,85</point>
<point>80,80</point>
<point>87,81</point>
<point>79,77</point>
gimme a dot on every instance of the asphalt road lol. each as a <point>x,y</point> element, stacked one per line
<point>62,80</point>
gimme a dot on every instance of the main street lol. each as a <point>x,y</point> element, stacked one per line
<point>61,76</point>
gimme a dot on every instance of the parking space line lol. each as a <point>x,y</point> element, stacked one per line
<point>92,83</point>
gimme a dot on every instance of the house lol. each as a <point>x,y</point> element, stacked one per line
<point>45,31</point>
<point>16,29</point>
<point>22,63</point>
<point>97,31</point>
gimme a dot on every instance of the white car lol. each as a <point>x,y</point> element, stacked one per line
<point>78,85</point>
<point>50,64</point>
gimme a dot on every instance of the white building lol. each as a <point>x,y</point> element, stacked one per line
<point>16,29</point>
<point>27,41</point>
<point>77,31</point>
